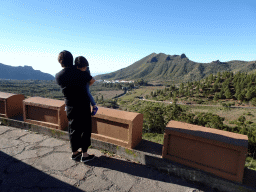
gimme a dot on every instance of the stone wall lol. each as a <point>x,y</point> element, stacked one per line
<point>45,112</point>
<point>215,151</point>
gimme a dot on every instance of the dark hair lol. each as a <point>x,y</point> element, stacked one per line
<point>65,58</point>
<point>81,62</point>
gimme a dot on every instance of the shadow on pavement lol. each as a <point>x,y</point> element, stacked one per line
<point>18,176</point>
<point>142,171</point>
<point>250,178</point>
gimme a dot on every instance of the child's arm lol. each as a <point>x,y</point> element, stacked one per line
<point>92,101</point>
<point>92,81</point>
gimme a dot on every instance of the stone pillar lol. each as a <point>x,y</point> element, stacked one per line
<point>45,112</point>
<point>11,105</point>
<point>218,152</point>
<point>118,127</point>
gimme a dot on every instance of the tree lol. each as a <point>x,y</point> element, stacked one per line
<point>217,80</point>
<point>250,93</point>
<point>174,95</point>
<point>238,91</point>
<point>220,94</point>
<point>215,87</point>
<point>211,78</point>
<point>228,94</point>
<point>187,93</point>
<point>153,121</point>
<point>209,120</point>
<point>226,105</point>
<point>119,86</point>
<point>225,84</point>
<point>216,97</point>
<point>242,119</point>
<point>174,101</point>
<point>197,89</point>
<point>165,90</point>
<point>218,75</point>
<point>140,82</point>
<point>172,112</point>
<point>253,101</point>
<point>240,97</point>
<point>208,84</point>
<point>181,91</point>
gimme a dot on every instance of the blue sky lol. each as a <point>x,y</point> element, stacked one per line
<point>115,34</point>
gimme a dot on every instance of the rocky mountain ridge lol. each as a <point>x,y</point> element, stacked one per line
<point>23,73</point>
<point>175,68</point>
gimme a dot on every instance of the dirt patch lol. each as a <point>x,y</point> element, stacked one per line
<point>108,94</point>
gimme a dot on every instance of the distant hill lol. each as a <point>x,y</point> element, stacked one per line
<point>176,68</point>
<point>22,73</point>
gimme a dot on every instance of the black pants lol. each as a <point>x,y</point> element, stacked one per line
<point>79,126</point>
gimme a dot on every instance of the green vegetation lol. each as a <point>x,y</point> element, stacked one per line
<point>227,87</point>
<point>219,113</point>
<point>154,137</point>
<point>110,103</point>
<point>29,88</point>
<point>56,133</point>
<point>250,163</point>
<point>157,115</point>
<point>50,89</point>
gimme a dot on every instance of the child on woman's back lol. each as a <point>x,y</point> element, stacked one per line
<point>82,64</point>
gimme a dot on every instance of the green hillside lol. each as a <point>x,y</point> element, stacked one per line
<point>175,68</point>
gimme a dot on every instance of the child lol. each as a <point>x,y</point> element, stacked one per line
<point>82,64</point>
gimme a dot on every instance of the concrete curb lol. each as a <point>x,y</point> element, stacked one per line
<point>146,153</point>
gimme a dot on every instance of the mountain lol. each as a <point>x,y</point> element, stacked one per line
<point>22,73</point>
<point>175,68</point>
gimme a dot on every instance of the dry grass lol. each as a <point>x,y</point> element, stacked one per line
<point>142,91</point>
<point>229,115</point>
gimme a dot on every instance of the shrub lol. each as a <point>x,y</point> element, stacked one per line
<point>253,101</point>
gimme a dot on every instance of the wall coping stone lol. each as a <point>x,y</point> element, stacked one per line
<point>44,102</point>
<point>6,95</point>
<point>209,133</point>
<point>128,116</point>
